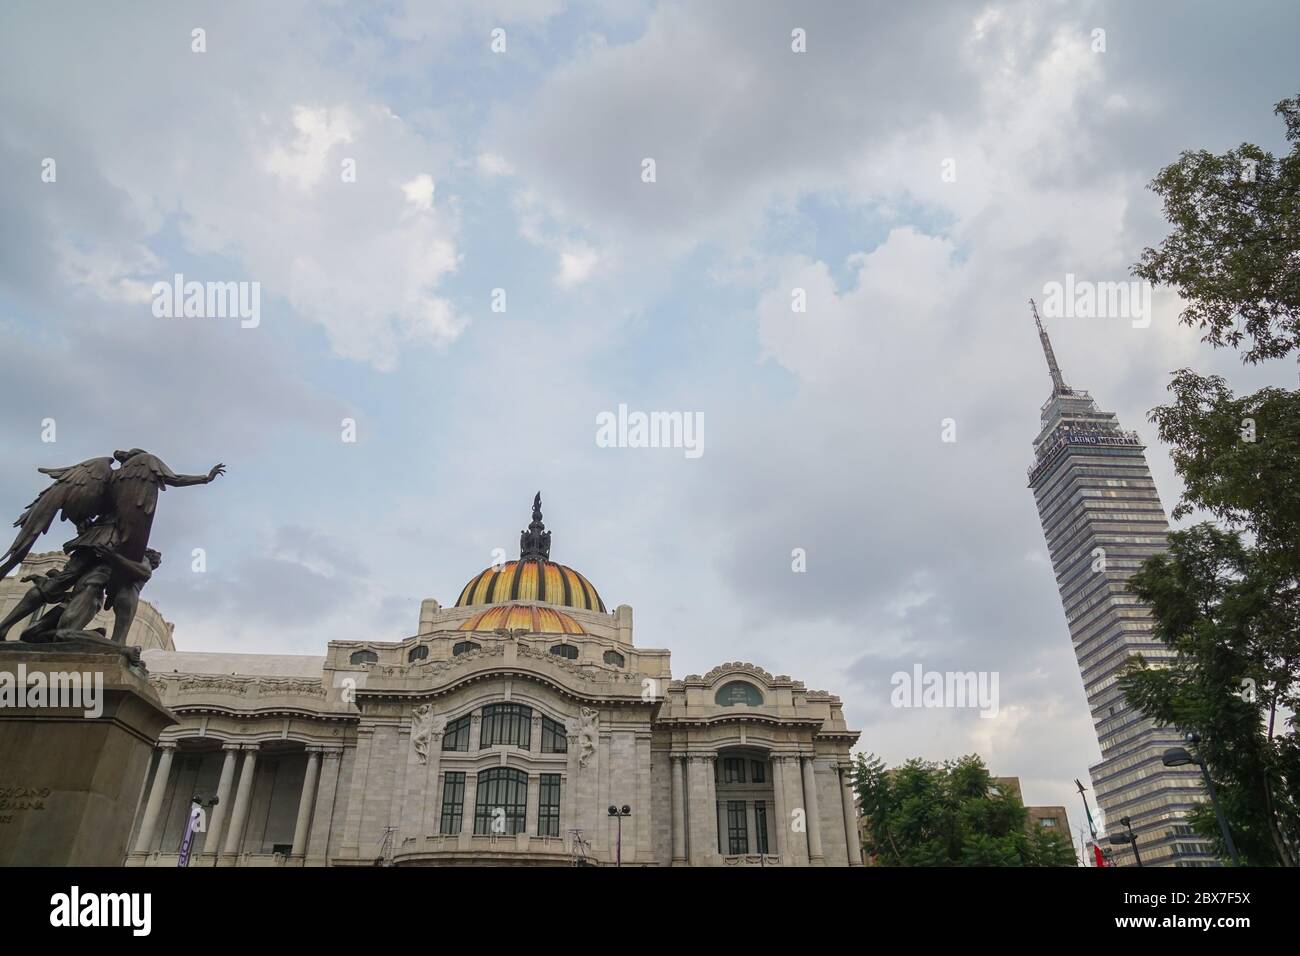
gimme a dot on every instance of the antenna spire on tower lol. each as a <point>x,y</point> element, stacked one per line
<point>1058,381</point>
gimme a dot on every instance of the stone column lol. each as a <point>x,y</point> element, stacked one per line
<point>323,818</point>
<point>357,791</point>
<point>467,810</point>
<point>152,809</point>
<point>711,781</point>
<point>810,807</point>
<point>535,736</point>
<point>780,812</point>
<point>569,794</point>
<point>532,807</point>
<point>679,809</point>
<point>212,839</point>
<point>850,816</point>
<point>430,821</point>
<point>305,803</point>
<point>703,847</point>
<point>239,815</point>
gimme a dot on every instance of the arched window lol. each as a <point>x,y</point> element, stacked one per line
<point>417,653</point>
<point>364,657</point>
<point>614,659</point>
<point>455,735</point>
<point>738,692</point>
<point>509,724</point>
<point>554,738</point>
<point>567,651</point>
<point>460,647</point>
<point>501,801</point>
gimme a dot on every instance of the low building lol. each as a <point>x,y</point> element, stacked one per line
<point>500,732</point>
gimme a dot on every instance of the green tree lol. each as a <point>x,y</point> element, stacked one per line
<point>949,814</point>
<point>1231,618</point>
<point>1228,609</point>
<point>1234,251</point>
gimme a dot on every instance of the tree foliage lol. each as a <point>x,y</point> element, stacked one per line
<point>1234,251</point>
<point>949,814</point>
<point>1232,617</point>
<point>1228,608</point>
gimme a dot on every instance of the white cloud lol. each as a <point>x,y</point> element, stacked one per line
<point>419,191</point>
<point>491,165</point>
<point>303,160</point>
<point>576,266</point>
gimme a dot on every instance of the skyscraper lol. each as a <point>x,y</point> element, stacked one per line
<point>1102,518</point>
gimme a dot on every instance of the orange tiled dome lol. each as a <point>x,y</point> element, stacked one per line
<point>534,577</point>
<point>534,619</point>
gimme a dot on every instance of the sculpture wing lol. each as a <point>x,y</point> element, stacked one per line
<point>139,480</point>
<point>80,491</point>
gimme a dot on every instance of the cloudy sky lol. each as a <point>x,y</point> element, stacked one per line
<point>521,169</point>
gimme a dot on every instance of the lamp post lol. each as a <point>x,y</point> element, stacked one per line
<point>619,813</point>
<point>199,807</point>
<point>1180,757</point>
<point>1130,838</point>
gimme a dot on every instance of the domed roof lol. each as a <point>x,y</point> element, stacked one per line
<point>534,577</point>
<point>533,619</point>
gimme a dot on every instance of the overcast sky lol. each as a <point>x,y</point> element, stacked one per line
<point>521,170</point>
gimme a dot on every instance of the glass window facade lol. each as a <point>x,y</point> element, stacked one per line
<point>737,837</point>
<point>501,802</point>
<point>548,805</point>
<point>508,724</point>
<point>554,738</point>
<point>456,734</point>
<point>453,803</point>
<point>733,769</point>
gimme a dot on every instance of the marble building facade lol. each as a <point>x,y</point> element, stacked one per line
<point>499,733</point>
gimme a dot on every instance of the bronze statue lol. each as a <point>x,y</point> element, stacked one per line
<point>109,560</point>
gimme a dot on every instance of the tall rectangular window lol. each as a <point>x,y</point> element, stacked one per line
<point>510,724</point>
<point>737,836</point>
<point>548,805</point>
<point>554,737</point>
<point>500,801</point>
<point>758,771</point>
<point>456,735</point>
<point>760,826</point>
<point>733,770</point>
<point>453,802</point>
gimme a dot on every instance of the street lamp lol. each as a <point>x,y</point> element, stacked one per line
<point>200,805</point>
<point>1181,757</point>
<point>1129,838</point>
<point>619,813</point>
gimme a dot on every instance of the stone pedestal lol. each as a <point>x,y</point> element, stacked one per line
<point>70,781</point>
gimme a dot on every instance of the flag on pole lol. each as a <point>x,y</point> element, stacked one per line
<point>196,815</point>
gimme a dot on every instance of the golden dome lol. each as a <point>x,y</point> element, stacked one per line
<point>534,577</point>
<point>533,619</point>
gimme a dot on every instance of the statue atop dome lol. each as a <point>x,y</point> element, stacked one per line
<point>535,543</point>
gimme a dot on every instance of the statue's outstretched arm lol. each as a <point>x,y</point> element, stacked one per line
<point>182,481</point>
